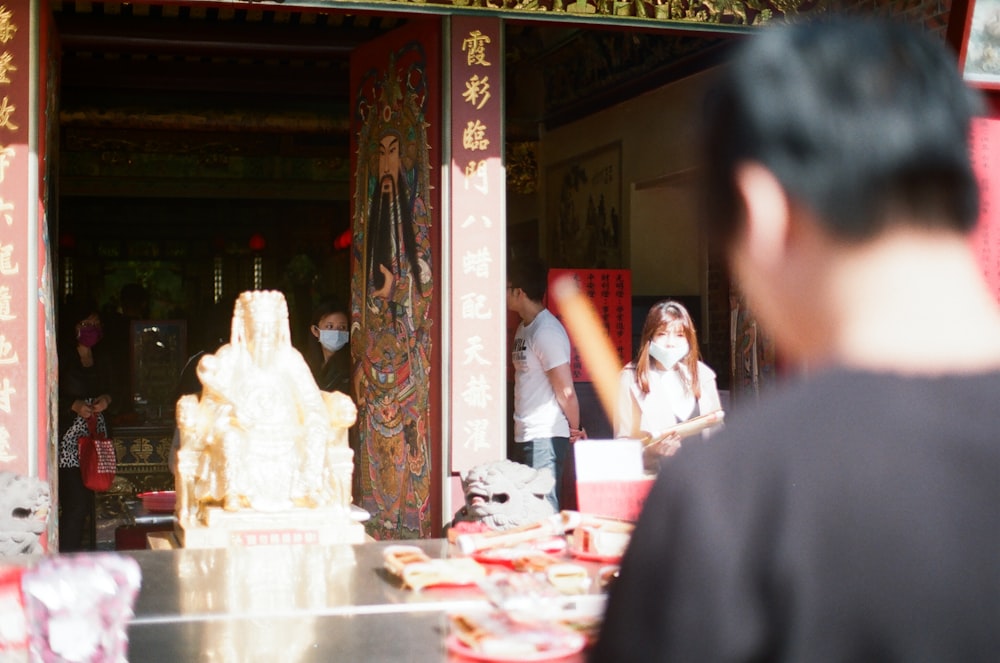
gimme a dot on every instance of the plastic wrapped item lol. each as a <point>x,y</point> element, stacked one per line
<point>532,600</point>
<point>524,597</point>
<point>79,607</point>
<point>417,570</point>
<point>494,636</point>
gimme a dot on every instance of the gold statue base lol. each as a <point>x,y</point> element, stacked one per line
<point>219,528</point>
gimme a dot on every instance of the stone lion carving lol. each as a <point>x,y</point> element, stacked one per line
<point>24,510</point>
<point>261,436</point>
<point>503,494</point>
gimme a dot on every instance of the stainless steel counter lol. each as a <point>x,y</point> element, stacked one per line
<point>418,637</point>
<point>264,581</point>
<point>292,604</point>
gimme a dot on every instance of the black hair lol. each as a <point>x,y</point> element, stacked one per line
<point>860,120</point>
<point>530,275</point>
<point>382,241</point>
<point>327,305</point>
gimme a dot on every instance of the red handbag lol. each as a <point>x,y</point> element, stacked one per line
<point>98,463</point>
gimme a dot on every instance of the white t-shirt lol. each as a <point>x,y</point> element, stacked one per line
<point>538,347</point>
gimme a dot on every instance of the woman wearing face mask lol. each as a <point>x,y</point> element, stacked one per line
<point>331,360</point>
<point>666,384</point>
<point>85,385</point>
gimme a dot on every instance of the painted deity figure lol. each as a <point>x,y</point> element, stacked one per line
<point>261,435</point>
<point>391,319</point>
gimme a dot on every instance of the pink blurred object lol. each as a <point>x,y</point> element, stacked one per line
<point>13,626</point>
<point>78,607</point>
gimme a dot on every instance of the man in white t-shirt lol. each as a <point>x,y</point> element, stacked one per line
<point>546,410</point>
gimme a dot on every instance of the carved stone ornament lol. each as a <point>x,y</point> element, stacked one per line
<point>24,510</point>
<point>264,454</point>
<point>503,494</point>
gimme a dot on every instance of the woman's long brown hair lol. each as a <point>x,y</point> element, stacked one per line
<point>661,315</point>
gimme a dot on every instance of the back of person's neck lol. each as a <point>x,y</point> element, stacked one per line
<point>912,302</point>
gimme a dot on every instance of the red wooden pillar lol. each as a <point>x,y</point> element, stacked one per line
<point>27,365</point>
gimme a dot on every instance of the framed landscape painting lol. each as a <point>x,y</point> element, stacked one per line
<point>583,210</point>
<point>980,53</point>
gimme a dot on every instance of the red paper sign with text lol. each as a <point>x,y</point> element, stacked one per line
<point>621,499</point>
<point>610,291</point>
<point>985,148</point>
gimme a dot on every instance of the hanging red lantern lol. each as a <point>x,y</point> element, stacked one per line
<point>257,242</point>
<point>343,241</point>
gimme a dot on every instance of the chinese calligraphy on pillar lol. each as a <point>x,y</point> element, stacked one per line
<point>985,148</point>
<point>610,291</point>
<point>478,428</point>
<point>14,290</point>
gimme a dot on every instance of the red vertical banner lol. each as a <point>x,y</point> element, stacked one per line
<point>17,451</point>
<point>610,291</point>
<point>478,306</point>
<point>985,149</point>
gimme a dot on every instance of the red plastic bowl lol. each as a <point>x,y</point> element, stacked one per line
<point>158,500</point>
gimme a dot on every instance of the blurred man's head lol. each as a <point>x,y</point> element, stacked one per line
<point>862,122</point>
<point>833,151</point>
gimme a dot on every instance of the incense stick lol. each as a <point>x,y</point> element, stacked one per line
<point>591,340</point>
<point>689,427</point>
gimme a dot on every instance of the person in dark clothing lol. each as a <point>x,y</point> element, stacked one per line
<point>85,387</point>
<point>329,356</point>
<point>853,515</point>
<point>133,305</point>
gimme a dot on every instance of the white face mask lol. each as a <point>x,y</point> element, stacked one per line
<point>669,356</point>
<point>333,339</point>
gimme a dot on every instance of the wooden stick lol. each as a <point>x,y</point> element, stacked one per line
<point>690,427</point>
<point>591,340</point>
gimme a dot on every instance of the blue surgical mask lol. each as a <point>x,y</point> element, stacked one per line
<point>333,339</point>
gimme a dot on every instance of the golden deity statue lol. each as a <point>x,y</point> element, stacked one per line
<point>263,451</point>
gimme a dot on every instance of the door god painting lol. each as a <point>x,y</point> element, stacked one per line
<point>392,288</point>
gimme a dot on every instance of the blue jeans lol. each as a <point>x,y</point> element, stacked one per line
<point>547,452</point>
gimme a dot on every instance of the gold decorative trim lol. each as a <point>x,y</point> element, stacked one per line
<point>522,167</point>
<point>707,12</point>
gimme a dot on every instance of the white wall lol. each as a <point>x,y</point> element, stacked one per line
<point>667,254</point>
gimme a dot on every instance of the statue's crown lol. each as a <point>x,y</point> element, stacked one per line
<point>264,304</point>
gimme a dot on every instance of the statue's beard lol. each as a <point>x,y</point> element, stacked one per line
<point>384,242</point>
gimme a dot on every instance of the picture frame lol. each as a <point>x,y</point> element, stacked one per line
<point>583,210</point>
<point>979,55</point>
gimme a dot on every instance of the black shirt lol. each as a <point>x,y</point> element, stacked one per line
<point>853,517</point>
